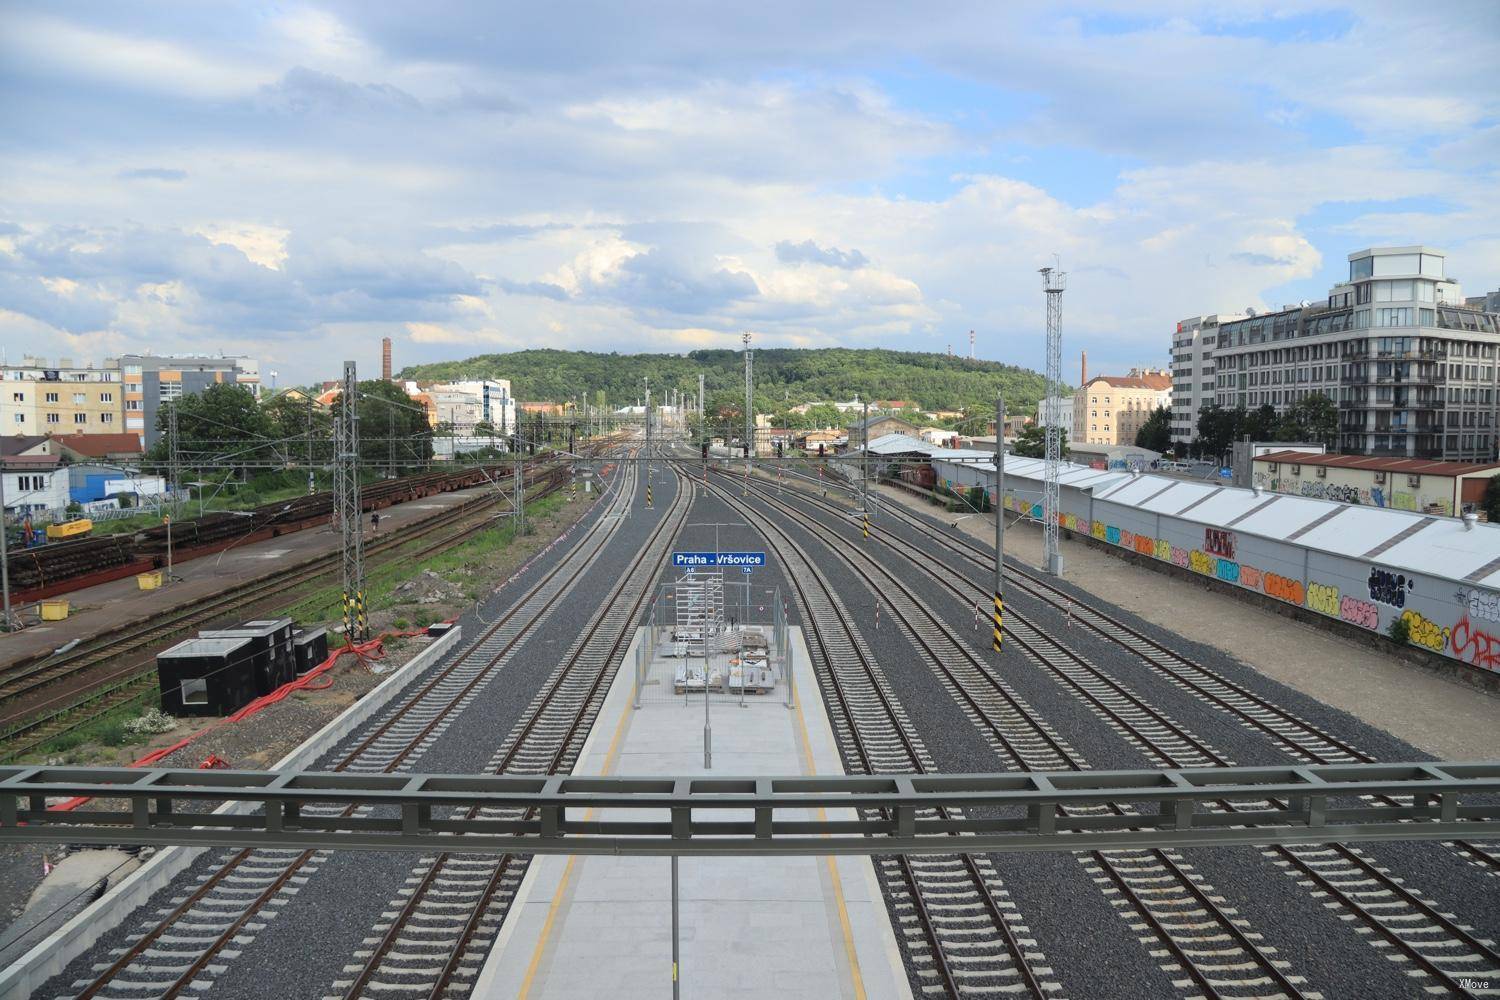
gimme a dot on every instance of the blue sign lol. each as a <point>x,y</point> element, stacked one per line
<point>1226,473</point>
<point>690,560</point>
<point>746,570</point>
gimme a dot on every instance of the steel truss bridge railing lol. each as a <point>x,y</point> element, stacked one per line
<point>891,814</point>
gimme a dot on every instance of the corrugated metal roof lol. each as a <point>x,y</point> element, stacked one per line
<point>1376,464</point>
<point>1404,540</point>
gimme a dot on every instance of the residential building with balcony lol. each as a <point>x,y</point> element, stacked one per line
<point>39,398</point>
<point>1193,372</point>
<point>148,380</point>
<point>1411,367</point>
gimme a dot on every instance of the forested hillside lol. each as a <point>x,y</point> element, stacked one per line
<point>783,377</point>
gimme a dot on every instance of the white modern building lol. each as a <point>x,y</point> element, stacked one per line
<point>1059,415</point>
<point>1411,366</point>
<point>469,402</point>
<point>1193,372</point>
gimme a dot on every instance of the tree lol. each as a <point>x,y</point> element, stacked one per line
<point>221,426</point>
<point>1218,427</point>
<point>1156,432</point>
<point>1314,417</point>
<point>1262,424</point>
<point>1032,441</point>
<point>391,425</point>
<point>1490,502</point>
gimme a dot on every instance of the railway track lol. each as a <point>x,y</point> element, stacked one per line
<point>190,944</point>
<point>28,721</point>
<point>433,940</point>
<point>1208,946</point>
<point>1300,739</point>
<point>1401,922</point>
<point>957,926</point>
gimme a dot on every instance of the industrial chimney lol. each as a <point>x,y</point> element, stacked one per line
<point>1083,369</point>
<point>385,358</point>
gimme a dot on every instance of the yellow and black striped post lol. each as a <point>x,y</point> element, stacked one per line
<point>361,624</point>
<point>999,619</point>
<point>867,526</point>
<point>572,490</point>
<point>648,494</point>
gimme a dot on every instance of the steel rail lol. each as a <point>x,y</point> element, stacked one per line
<point>139,948</point>
<point>1063,756</point>
<point>989,904</point>
<point>1426,910</point>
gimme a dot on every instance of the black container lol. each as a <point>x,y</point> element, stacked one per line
<point>309,648</point>
<point>213,676</point>
<point>275,661</point>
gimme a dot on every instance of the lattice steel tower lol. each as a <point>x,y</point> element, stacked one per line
<point>346,506</point>
<point>1053,283</point>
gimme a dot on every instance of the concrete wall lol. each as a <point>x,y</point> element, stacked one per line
<point>1447,617</point>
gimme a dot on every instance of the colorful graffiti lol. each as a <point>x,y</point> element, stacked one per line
<point>1282,588</point>
<point>1323,599</point>
<point>1219,542</point>
<point>1482,604</point>
<point>1475,646</point>
<point>1423,631</point>
<point>1388,588</point>
<point>1469,640</point>
<point>1361,613</point>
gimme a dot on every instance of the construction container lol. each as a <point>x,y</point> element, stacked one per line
<point>148,581</point>
<point>54,611</point>
<point>274,661</point>
<point>70,529</point>
<point>212,676</point>
<point>309,648</point>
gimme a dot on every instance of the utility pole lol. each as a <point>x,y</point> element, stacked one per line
<point>749,410</point>
<point>175,465</point>
<point>1053,282</point>
<point>347,507</point>
<point>311,488</point>
<point>648,450</point>
<point>999,506</point>
<point>9,624</point>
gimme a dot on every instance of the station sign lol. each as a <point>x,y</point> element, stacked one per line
<point>696,560</point>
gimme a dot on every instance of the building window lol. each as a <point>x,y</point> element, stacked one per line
<point>1413,481</point>
<point>51,397</point>
<point>20,418</point>
<point>195,691</point>
<point>170,390</point>
<point>79,399</point>
<point>53,418</point>
<point>1322,472</point>
<point>106,397</point>
<point>133,404</point>
<point>106,418</point>
<point>1380,479</point>
<point>1296,470</point>
<point>18,397</point>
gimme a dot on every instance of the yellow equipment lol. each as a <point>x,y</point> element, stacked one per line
<point>70,529</point>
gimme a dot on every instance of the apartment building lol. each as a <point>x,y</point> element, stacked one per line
<point>38,398</point>
<point>148,380</point>
<point>1193,384</point>
<point>1411,366</point>
<point>1110,409</point>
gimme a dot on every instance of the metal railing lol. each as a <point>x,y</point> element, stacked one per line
<point>760,815</point>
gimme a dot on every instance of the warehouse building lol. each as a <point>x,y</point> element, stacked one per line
<point>1364,566</point>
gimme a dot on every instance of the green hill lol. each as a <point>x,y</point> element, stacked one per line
<point>783,377</point>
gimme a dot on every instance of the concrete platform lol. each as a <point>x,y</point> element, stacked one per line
<point>750,927</point>
<point>108,607</point>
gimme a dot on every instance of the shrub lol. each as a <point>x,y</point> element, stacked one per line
<point>1399,631</point>
<point>150,722</point>
<point>112,734</point>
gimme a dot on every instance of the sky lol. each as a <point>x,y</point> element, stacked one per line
<point>295,181</point>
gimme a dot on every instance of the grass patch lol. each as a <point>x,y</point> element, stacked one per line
<point>107,730</point>
<point>325,605</point>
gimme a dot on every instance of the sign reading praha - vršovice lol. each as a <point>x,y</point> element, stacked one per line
<point>690,560</point>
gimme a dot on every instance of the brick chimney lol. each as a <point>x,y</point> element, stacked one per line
<point>1083,369</point>
<point>385,358</point>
